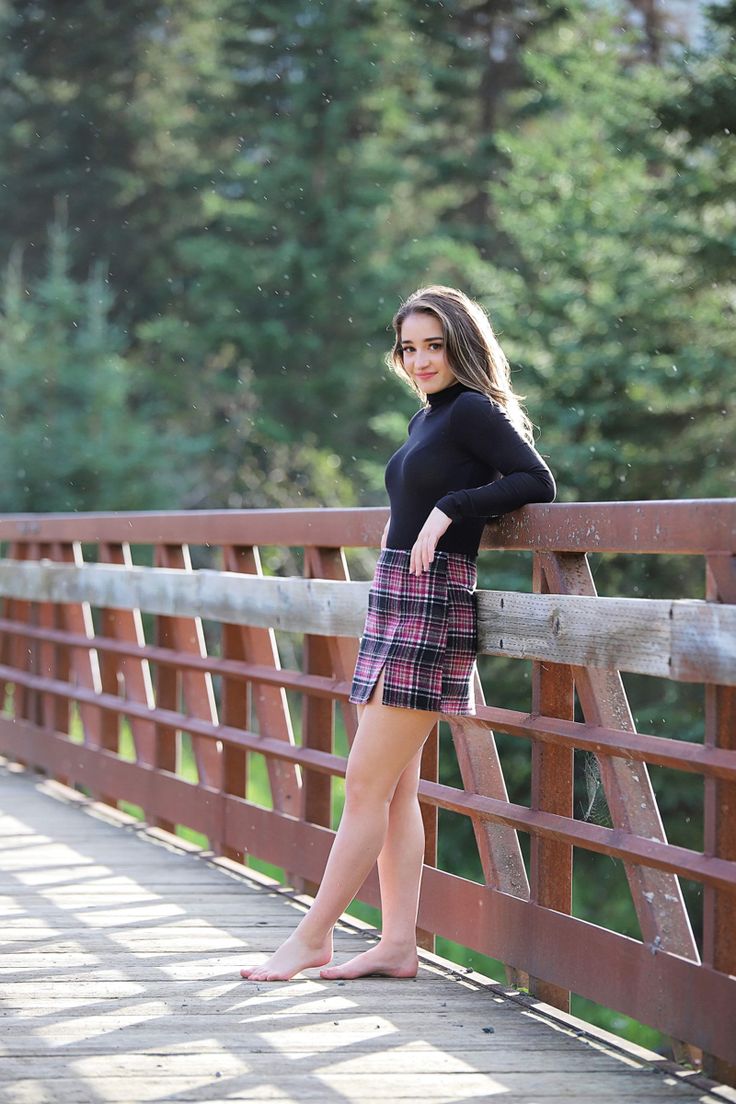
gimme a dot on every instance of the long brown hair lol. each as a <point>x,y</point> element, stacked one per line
<point>472,349</point>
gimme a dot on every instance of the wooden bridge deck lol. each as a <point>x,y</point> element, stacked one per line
<point>119,982</point>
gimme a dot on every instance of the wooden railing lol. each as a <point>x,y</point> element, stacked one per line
<point>91,639</point>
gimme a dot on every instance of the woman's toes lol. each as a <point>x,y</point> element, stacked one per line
<point>252,973</point>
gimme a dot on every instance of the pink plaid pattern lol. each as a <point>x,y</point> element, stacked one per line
<point>424,629</point>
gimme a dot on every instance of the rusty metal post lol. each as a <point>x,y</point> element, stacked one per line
<point>55,660</point>
<point>166,682</point>
<point>84,668</point>
<point>719,906</point>
<point>318,722</point>
<point>268,703</point>
<point>128,674</point>
<point>234,711</point>
<point>550,875</point>
<point>430,817</point>
<point>15,647</point>
<point>34,701</point>
<point>51,718</point>
<point>187,635</point>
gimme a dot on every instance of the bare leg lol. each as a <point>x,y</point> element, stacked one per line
<point>387,741</point>
<point>400,872</point>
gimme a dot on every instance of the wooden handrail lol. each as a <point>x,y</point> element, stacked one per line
<point>683,639</point>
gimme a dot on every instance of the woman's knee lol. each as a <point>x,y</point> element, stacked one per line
<point>365,786</point>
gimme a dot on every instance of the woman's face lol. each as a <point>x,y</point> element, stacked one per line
<point>425,358</point>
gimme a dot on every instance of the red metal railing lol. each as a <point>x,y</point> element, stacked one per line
<point>75,641</point>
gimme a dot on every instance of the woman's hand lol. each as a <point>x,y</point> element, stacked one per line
<point>422,553</point>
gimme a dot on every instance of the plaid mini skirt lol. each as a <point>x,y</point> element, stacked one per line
<point>424,629</point>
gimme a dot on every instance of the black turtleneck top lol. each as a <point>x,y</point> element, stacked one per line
<point>464,456</point>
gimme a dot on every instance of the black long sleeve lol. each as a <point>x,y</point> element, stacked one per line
<point>487,432</point>
<point>464,456</point>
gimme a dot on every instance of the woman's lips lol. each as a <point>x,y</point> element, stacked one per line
<point>425,375</point>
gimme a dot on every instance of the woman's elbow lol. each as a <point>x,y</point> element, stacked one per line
<point>549,488</point>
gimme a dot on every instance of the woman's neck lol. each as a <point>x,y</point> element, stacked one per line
<point>447,394</point>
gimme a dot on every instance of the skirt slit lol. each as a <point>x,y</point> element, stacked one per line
<point>423,631</point>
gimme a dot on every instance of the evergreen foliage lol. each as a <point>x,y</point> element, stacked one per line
<point>72,433</point>
<point>94,107</point>
<point>611,312</point>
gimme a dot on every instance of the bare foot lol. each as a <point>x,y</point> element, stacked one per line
<point>386,961</point>
<point>294,954</point>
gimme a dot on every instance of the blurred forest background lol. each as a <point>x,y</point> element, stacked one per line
<point>210,210</point>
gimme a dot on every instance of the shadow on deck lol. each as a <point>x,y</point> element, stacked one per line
<point>120,983</point>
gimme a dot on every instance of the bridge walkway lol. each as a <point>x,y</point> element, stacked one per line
<point>119,982</point>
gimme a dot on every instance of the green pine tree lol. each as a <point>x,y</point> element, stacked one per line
<point>623,337</point>
<point>95,109</point>
<point>292,276</point>
<point>73,436</point>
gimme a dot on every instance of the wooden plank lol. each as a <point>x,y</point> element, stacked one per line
<point>683,639</point>
<point>412,1058</point>
<point>288,1086</point>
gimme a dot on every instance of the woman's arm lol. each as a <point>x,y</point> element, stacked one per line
<point>385,532</point>
<point>484,428</point>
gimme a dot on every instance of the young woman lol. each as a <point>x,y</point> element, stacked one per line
<point>468,456</point>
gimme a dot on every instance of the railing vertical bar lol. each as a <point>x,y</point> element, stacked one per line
<point>84,661</point>
<point>481,772</point>
<point>235,713</point>
<point>34,703</point>
<point>16,646</point>
<point>59,716</point>
<point>498,846</point>
<point>47,651</point>
<point>166,692</point>
<point>719,907</point>
<point>269,704</point>
<point>430,770</point>
<point>126,625</point>
<point>657,896</point>
<point>197,688</point>
<point>330,563</point>
<point>318,719</point>
<point>317,734</point>
<point>550,872</point>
